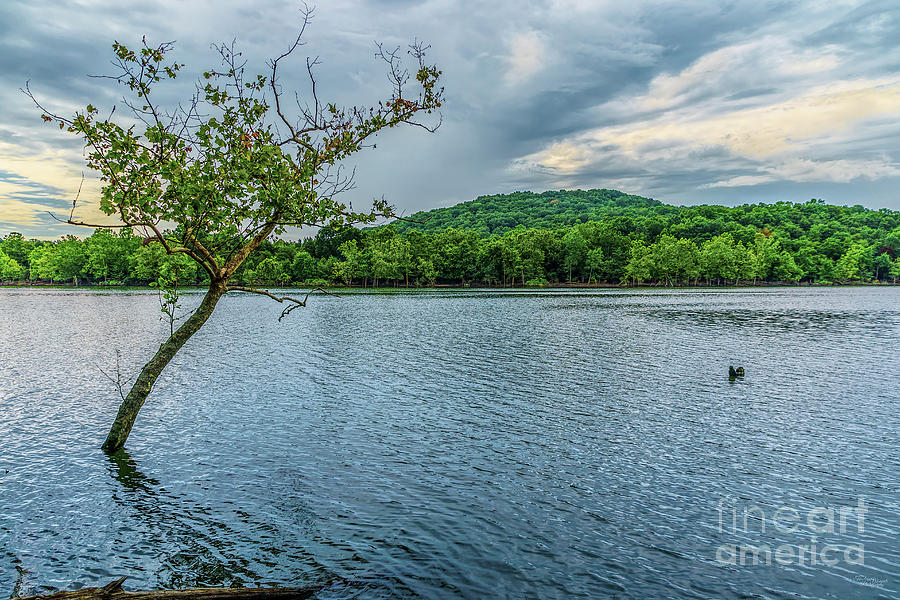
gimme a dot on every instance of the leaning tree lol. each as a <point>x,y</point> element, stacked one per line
<point>215,176</point>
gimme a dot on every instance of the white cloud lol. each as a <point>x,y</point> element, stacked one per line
<point>527,56</point>
<point>763,131</point>
<point>769,62</point>
<point>22,213</point>
<point>564,157</point>
<point>777,140</point>
<point>45,176</point>
<point>809,171</point>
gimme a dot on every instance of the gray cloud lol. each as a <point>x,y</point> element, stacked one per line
<point>520,77</point>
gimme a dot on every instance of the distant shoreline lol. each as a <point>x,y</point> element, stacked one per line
<point>480,286</point>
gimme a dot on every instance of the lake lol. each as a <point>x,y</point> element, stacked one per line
<point>461,444</point>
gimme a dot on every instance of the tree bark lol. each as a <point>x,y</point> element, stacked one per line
<point>132,403</point>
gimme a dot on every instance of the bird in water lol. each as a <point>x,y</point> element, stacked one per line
<point>732,372</point>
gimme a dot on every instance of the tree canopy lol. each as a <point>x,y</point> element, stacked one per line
<point>230,167</point>
<point>214,177</point>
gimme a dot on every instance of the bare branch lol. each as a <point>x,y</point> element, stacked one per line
<point>77,196</point>
<point>27,91</point>
<point>71,221</point>
<point>273,82</point>
<point>424,126</point>
<point>295,303</point>
<point>118,380</point>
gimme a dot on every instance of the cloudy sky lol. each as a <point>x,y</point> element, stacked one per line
<point>686,102</point>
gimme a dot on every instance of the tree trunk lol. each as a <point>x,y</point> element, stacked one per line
<point>129,408</point>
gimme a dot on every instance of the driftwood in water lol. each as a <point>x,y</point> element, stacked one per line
<point>114,591</point>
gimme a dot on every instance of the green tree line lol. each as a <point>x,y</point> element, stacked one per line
<point>626,239</point>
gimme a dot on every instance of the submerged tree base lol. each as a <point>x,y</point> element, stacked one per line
<point>114,591</point>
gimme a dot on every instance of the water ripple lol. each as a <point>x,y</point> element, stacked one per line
<point>509,444</point>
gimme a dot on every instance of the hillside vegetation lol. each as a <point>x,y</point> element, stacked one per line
<point>593,236</point>
<point>500,213</point>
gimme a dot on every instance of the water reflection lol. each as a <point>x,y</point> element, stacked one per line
<point>201,549</point>
<point>196,542</point>
<point>125,471</point>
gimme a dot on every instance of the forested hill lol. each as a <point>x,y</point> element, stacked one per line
<point>500,213</point>
<point>594,236</point>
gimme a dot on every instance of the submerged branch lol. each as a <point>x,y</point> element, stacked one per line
<point>114,591</point>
